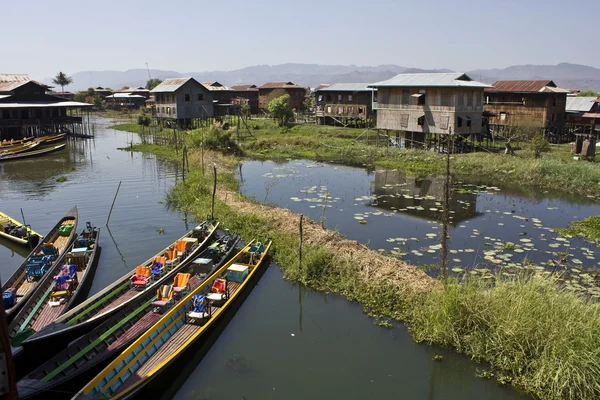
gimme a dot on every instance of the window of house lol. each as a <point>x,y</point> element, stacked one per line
<point>502,116</point>
<point>339,97</point>
<point>328,98</point>
<point>459,122</point>
<point>468,123</point>
<point>349,97</point>
<point>186,97</point>
<point>421,100</point>
<point>469,99</point>
<point>320,98</point>
<point>200,97</point>
<point>340,109</point>
<point>554,101</point>
<point>421,121</point>
<point>553,117</point>
<point>487,99</point>
<point>162,110</point>
<point>350,110</point>
<point>168,110</point>
<point>405,96</point>
<point>360,110</point>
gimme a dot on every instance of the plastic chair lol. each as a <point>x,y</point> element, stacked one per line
<point>200,309</point>
<point>181,282</point>
<point>164,296</point>
<point>141,277</point>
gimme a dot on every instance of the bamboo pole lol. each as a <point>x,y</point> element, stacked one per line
<point>212,213</point>
<point>446,215</point>
<point>300,246</point>
<point>113,203</point>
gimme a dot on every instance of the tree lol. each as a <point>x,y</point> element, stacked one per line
<point>518,129</point>
<point>80,97</point>
<point>539,145</point>
<point>99,102</point>
<point>245,109</point>
<point>144,119</point>
<point>125,88</point>
<point>281,110</point>
<point>62,80</point>
<point>152,83</point>
<point>588,93</point>
<point>275,94</point>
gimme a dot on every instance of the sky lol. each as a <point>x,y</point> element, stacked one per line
<point>43,37</point>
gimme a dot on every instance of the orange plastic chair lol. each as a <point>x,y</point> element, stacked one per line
<point>218,286</point>
<point>162,260</point>
<point>170,253</point>
<point>141,277</point>
<point>180,282</point>
<point>180,246</point>
<point>164,295</point>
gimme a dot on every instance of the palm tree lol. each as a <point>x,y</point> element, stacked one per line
<point>62,80</point>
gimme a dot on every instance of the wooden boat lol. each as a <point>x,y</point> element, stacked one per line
<point>51,250</point>
<point>161,345</point>
<point>6,144</point>
<point>19,149</point>
<point>48,139</point>
<point>15,231</point>
<point>33,153</point>
<point>63,287</point>
<point>88,355</point>
<point>101,306</point>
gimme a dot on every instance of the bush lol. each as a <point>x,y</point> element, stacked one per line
<point>539,144</point>
<point>215,139</point>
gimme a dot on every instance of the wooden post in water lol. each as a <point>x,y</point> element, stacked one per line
<point>113,203</point>
<point>446,214</point>
<point>212,213</point>
<point>183,153</point>
<point>202,151</point>
<point>8,380</point>
<point>300,246</point>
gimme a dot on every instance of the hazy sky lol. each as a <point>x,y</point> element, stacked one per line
<point>42,37</point>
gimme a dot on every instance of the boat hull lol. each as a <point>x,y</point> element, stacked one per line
<point>33,153</point>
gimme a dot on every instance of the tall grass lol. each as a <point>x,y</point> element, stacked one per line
<point>541,337</point>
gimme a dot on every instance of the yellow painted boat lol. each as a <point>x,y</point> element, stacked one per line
<point>158,349</point>
<point>15,231</point>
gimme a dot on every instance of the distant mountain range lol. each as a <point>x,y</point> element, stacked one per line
<point>569,76</point>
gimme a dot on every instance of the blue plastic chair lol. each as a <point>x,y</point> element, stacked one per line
<point>156,268</point>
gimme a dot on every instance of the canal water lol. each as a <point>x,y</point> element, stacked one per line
<point>285,342</point>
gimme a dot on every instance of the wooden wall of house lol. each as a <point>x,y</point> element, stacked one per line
<point>536,109</point>
<point>251,95</point>
<point>176,105</point>
<point>344,104</point>
<point>296,97</point>
<point>398,109</point>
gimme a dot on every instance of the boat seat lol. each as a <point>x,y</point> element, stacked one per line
<point>181,282</point>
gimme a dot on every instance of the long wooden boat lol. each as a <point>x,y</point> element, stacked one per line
<point>7,144</point>
<point>161,345</point>
<point>63,287</point>
<point>48,139</point>
<point>88,355</point>
<point>51,250</point>
<point>115,297</point>
<point>20,148</point>
<point>15,231</point>
<point>33,153</point>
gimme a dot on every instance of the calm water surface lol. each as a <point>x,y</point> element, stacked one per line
<point>284,342</point>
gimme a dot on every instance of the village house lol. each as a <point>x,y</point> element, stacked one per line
<point>533,103</point>
<point>296,93</point>
<point>26,109</point>
<point>181,100</point>
<point>137,91</point>
<point>119,101</point>
<point>583,114</point>
<point>222,96</point>
<point>102,92</point>
<point>344,104</point>
<point>246,94</point>
<point>64,95</point>
<point>424,108</point>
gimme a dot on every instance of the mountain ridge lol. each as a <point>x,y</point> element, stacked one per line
<point>567,75</point>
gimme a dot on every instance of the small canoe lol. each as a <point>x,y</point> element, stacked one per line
<point>101,306</point>
<point>64,286</point>
<point>7,144</point>
<point>15,231</point>
<point>33,153</point>
<point>19,149</point>
<point>20,286</point>
<point>48,139</point>
<point>157,350</point>
<point>88,355</point>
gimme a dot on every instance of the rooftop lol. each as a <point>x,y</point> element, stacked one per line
<point>14,78</point>
<point>215,86</point>
<point>173,84</point>
<point>443,79</point>
<point>527,86</point>
<point>344,87</point>
<point>581,104</point>
<point>279,85</point>
<point>251,88</point>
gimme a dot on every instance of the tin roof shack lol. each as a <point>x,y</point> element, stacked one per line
<point>423,108</point>
<point>222,96</point>
<point>296,93</point>
<point>138,91</point>
<point>103,92</point>
<point>344,104</point>
<point>119,101</point>
<point>583,114</point>
<point>246,94</point>
<point>536,103</point>
<point>27,110</point>
<point>181,100</point>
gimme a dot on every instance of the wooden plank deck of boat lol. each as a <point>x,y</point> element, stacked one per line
<point>47,313</point>
<point>131,293</point>
<point>170,346</point>
<point>146,321</point>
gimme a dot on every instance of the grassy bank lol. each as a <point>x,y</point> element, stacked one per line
<point>534,334</point>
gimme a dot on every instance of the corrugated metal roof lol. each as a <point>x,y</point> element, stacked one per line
<point>10,86</point>
<point>550,89</point>
<point>345,87</point>
<point>125,96</point>
<point>14,78</point>
<point>171,85</point>
<point>212,86</point>
<point>247,88</point>
<point>279,85</point>
<point>522,86</point>
<point>45,105</point>
<point>443,79</point>
<point>581,104</point>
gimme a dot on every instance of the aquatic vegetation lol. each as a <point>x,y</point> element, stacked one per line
<point>589,228</point>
